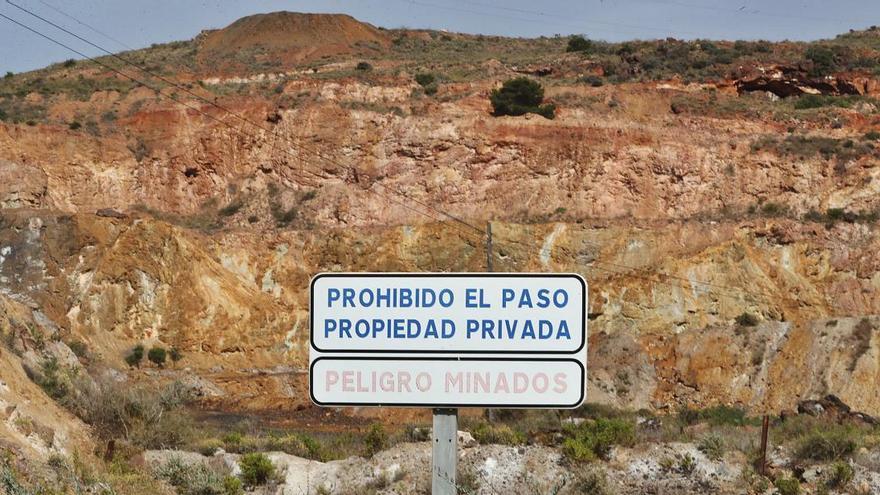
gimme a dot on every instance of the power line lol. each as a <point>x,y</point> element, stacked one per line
<point>274,133</point>
<point>501,16</point>
<point>743,10</point>
<point>569,18</point>
<point>88,26</point>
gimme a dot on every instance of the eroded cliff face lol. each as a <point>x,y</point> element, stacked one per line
<point>663,302</point>
<point>182,230</point>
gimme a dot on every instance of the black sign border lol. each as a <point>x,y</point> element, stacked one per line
<point>447,275</point>
<point>580,401</point>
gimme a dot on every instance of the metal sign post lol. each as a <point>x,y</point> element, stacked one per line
<point>444,452</point>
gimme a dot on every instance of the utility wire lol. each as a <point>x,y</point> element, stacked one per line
<point>88,26</point>
<point>244,119</point>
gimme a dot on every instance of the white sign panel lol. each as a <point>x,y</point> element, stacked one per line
<point>448,339</point>
<point>441,382</point>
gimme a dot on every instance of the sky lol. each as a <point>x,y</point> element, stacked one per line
<point>123,24</point>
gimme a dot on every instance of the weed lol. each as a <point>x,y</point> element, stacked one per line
<point>787,486</point>
<point>841,475</point>
<point>712,446</point>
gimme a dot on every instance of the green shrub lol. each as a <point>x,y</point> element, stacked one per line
<point>824,59</point>
<point>74,126</point>
<point>830,444</point>
<point>9,75</point>
<point>157,356</point>
<point>841,475</point>
<point>747,320</point>
<point>872,136</point>
<point>502,434</point>
<point>594,81</point>
<point>787,486</point>
<point>428,82</point>
<point>376,439</point>
<point>363,66</point>
<point>54,379</point>
<point>425,79</point>
<point>256,469</point>
<point>521,96</point>
<point>136,355</point>
<point>578,43</point>
<point>592,439</point>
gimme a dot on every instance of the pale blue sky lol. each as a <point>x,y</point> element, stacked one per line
<point>140,23</point>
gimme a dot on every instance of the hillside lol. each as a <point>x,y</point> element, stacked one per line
<point>284,39</point>
<point>721,198</point>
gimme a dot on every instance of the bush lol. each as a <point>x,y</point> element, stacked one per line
<point>425,79</point>
<point>592,439</point>
<point>9,75</point>
<point>428,82</point>
<point>157,356</point>
<point>872,136</point>
<point>69,63</point>
<point>830,444</point>
<point>376,439</point>
<point>136,355</point>
<point>502,434</point>
<point>520,96</point>
<point>74,126</point>
<point>787,486</point>
<point>144,416</point>
<point>54,379</point>
<point>363,66</point>
<point>824,59</point>
<point>256,469</point>
<point>747,320</point>
<point>841,475</point>
<point>579,44</point>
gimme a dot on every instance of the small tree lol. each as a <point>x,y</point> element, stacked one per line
<point>135,357</point>
<point>521,96</point>
<point>9,75</point>
<point>157,356</point>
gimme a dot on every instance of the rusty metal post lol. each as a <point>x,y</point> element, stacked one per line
<point>765,429</point>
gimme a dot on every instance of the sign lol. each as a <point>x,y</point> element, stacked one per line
<point>448,340</point>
